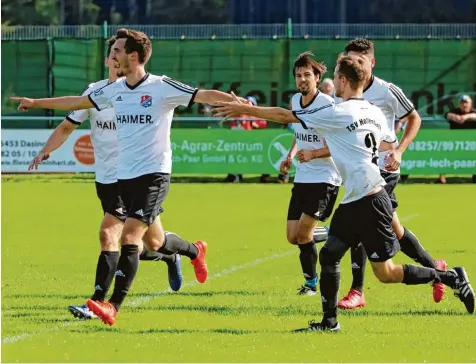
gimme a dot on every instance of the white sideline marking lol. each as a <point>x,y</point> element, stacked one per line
<point>141,300</point>
<point>409,217</point>
<point>26,335</point>
<point>223,273</point>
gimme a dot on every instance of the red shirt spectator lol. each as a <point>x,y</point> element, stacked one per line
<point>247,122</point>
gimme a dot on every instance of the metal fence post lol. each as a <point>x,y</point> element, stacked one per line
<point>104,48</point>
<point>51,77</point>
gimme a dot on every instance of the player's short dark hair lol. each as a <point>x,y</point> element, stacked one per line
<point>110,43</point>
<point>136,42</point>
<point>353,68</point>
<point>360,45</point>
<point>306,59</point>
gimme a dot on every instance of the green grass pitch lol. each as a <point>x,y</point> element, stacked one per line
<point>245,312</point>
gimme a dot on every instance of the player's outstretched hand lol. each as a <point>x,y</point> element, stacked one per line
<point>25,103</point>
<point>229,109</point>
<point>393,160</point>
<point>37,161</point>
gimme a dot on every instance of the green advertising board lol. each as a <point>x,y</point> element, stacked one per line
<point>221,151</point>
<point>441,151</point>
<point>210,151</point>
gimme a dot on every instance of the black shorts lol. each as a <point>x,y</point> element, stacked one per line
<point>143,196</point>
<point>313,199</point>
<point>392,181</point>
<point>368,220</point>
<point>111,201</point>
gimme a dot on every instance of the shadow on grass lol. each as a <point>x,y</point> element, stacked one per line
<point>200,294</point>
<point>28,312</point>
<point>288,311</point>
<point>81,297</point>
<point>84,297</point>
<point>184,178</point>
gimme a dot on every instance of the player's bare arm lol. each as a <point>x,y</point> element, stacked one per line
<point>394,157</point>
<point>286,162</point>
<point>293,150</point>
<point>56,140</point>
<point>69,103</point>
<point>308,155</point>
<point>235,108</point>
<point>211,97</point>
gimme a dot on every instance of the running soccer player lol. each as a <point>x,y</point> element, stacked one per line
<point>144,106</point>
<point>395,105</point>
<point>353,131</point>
<point>104,140</point>
<point>316,183</point>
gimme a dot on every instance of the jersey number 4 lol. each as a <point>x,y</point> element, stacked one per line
<point>370,142</point>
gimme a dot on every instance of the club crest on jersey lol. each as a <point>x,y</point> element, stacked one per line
<point>146,100</point>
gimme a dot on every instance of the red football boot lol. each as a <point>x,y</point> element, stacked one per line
<point>352,300</point>
<point>439,288</point>
<point>199,263</point>
<point>104,310</point>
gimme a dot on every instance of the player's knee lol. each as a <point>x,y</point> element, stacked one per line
<point>109,239</point>
<point>153,243</point>
<point>332,251</point>
<point>291,236</point>
<point>128,238</point>
<point>386,275</point>
<point>303,237</point>
<point>326,256</point>
<point>384,278</point>
<point>398,229</point>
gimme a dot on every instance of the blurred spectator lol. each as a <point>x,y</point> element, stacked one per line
<point>246,122</point>
<point>462,117</point>
<point>327,86</point>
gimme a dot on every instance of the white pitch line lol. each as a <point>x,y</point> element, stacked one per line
<point>144,299</point>
<point>26,335</point>
<point>223,273</point>
<point>409,217</point>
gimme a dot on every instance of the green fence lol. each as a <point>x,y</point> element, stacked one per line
<point>427,71</point>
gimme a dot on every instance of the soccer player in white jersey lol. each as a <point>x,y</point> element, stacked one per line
<point>353,131</point>
<point>144,106</point>
<point>104,140</point>
<point>395,105</point>
<point>316,183</point>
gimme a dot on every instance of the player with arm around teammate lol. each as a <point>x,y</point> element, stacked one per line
<point>395,106</point>
<point>144,105</point>
<point>353,131</point>
<point>104,140</point>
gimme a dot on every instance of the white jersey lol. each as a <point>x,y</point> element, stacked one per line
<point>319,170</point>
<point>143,118</point>
<point>391,100</point>
<point>103,136</point>
<point>353,131</point>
